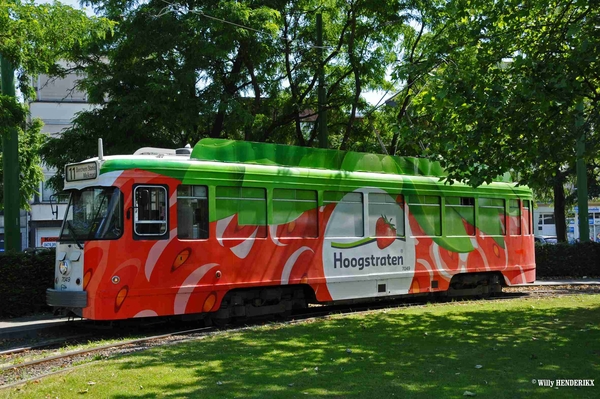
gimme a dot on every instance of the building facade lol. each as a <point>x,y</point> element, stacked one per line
<point>545,224</point>
<point>56,104</point>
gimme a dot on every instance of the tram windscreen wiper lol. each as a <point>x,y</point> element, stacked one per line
<point>94,227</point>
<point>72,234</point>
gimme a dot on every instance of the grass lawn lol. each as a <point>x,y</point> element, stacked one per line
<point>426,352</point>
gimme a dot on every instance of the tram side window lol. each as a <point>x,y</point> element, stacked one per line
<point>428,212</point>
<point>527,218</point>
<point>514,213</point>
<point>295,213</point>
<point>192,212</point>
<point>492,216</point>
<point>248,206</point>
<point>347,219</point>
<point>387,211</point>
<point>150,210</point>
<point>460,216</point>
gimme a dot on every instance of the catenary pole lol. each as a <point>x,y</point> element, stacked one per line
<point>10,164</point>
<point>582,192</point>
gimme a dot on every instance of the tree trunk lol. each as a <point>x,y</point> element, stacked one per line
<point>357,82</point>
<point>560,217</point>
<point>229,89</point>
<point>296,103</point>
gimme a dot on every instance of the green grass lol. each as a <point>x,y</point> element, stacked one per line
<point>423,352</point>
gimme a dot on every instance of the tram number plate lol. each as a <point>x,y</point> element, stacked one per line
<point>82,171</point>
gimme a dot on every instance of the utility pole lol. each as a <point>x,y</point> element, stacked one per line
<point>322,117</point>
<point>10,164</point>
<point>582,191</point>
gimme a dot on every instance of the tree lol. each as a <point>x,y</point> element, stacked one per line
<point>505,98</point>
<point>169,75</point>
<point>174,72</point>
<point>30,143</point>
<point>485,87</point>
<point>33,38</point>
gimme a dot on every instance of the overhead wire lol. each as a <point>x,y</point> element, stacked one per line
<point>171,8</point>
<point>166,11</point>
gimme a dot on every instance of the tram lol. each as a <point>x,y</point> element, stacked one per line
<point>233,229</point>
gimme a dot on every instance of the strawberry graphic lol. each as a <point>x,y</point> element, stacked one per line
<point>385,232</point>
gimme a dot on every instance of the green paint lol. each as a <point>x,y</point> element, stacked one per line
<point>454,220</point>
<point>292,176</point>
<point>491,213</point>
<point>10,164</point>
<point>428,212</point>
<point>314,158</point>
<point>250,204</point>
<point>353,244</point>
<point>271,166</point>
<point>288,205</point>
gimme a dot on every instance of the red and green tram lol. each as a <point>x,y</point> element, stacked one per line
<point>235,229</point>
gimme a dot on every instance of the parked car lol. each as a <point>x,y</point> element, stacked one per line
<point>37,250</point>
<point>545,239</point>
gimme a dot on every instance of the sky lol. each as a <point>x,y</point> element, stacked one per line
<point>72,3</point>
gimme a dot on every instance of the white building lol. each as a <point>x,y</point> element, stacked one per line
<point>57,101</point>
<point>544,223</point>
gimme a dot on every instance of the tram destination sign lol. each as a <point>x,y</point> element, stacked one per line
<point>81,171</point>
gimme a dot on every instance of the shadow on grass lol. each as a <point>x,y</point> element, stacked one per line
<point>432,352</point>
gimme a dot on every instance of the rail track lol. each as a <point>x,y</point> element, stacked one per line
<point>28,362</point>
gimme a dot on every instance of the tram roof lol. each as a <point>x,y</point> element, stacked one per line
<point>300,161</point>
<point>231,151</point>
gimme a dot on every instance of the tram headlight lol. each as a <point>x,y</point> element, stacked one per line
<point>63,267</point>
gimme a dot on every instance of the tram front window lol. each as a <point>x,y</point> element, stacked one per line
<point>94,213</point>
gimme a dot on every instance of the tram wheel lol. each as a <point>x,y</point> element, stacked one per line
<point>219,323</point>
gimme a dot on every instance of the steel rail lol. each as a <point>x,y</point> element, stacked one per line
<point>43,344</point>
<point>20,366</point>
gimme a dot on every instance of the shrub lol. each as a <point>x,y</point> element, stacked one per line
<point>25,278</point>
<point>568,260</point>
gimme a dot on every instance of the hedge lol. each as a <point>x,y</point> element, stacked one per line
<point>25,277</point>
<point>568,260</point>
<point>23,282</point>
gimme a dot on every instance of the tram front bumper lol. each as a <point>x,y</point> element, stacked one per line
<point>66,299</point>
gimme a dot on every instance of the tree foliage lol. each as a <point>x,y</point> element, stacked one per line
<point>506,95</point>
<point>30,143</point>
<point>174,72</point>
<point>484,87</point>
<point>33,38</point>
